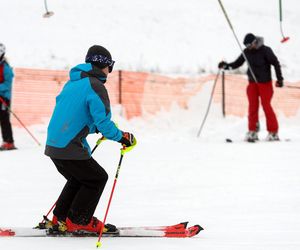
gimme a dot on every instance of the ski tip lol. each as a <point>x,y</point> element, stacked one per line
<point>194,230</point>
<point>198,228</point>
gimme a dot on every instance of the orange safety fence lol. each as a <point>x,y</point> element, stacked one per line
<point>285,100</point>
<point>34,93</point>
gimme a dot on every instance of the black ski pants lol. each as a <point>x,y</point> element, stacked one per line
<point>78,200</point>
<point>6,129</point>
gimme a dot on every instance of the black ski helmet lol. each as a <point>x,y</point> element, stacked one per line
<point>249,39</point>
<point>100,57</point>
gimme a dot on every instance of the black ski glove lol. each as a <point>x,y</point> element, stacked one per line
<point>279,83</point>
<point>223,65</point>
<point>127,139</point>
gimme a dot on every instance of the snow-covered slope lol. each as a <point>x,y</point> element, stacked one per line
<point>170,36</point>
<point>246,196</point>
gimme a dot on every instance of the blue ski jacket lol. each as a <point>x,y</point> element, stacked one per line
<point>82,107</point>
<point>6,79</point>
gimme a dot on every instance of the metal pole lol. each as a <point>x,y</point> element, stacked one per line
<point>48,13</point>
<point>209,103</point>
<point>284,38</point>
<point>120,87</point>
<point>237,40</point>
<point>223,93</point>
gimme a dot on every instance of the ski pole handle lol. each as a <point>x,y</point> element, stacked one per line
<point>101,139</point>
<point>125,149</point>
<point>98,143</point>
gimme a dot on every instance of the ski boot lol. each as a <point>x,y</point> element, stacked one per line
<point>272,137</point>
<point>60,228</point>
<point>7,146</point>
<point>94,227</point>
<point>251,136</point>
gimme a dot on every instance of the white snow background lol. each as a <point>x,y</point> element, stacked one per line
<point>246,196</point>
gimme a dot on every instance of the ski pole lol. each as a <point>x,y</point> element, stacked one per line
<point>100,140</point>
<point>46,216</point>
<point>97,144</point>
<point>9,109</point>
<point>209,103</point>
<point>284,38</point>
<point>123,151</point>
<point>237,40</point>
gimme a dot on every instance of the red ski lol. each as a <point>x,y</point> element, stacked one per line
<point>176,231</point>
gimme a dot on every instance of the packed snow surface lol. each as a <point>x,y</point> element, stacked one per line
<point>246,196</point>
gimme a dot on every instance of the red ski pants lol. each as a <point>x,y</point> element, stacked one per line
<point>264,91</point>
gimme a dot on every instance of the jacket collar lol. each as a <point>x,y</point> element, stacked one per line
<point>87,70</point>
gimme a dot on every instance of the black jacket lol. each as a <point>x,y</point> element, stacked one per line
<point>260,60</point>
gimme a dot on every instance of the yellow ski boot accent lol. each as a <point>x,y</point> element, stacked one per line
<point>105,229</point>
<point>62,227</point>
<point>48,224</point>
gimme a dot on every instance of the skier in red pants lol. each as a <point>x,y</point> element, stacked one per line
<point>260,58</point>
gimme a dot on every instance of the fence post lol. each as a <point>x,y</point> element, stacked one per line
<point>120,87</point>
<point>223,93</point>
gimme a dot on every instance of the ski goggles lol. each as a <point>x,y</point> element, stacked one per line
<point>103,60</point>
<point>249,45</point>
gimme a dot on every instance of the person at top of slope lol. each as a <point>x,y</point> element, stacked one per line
<point>82,108</point>
<point>260,58</point>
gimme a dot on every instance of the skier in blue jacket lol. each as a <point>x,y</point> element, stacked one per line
<point>82,107</point>
<point>6,79</point>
